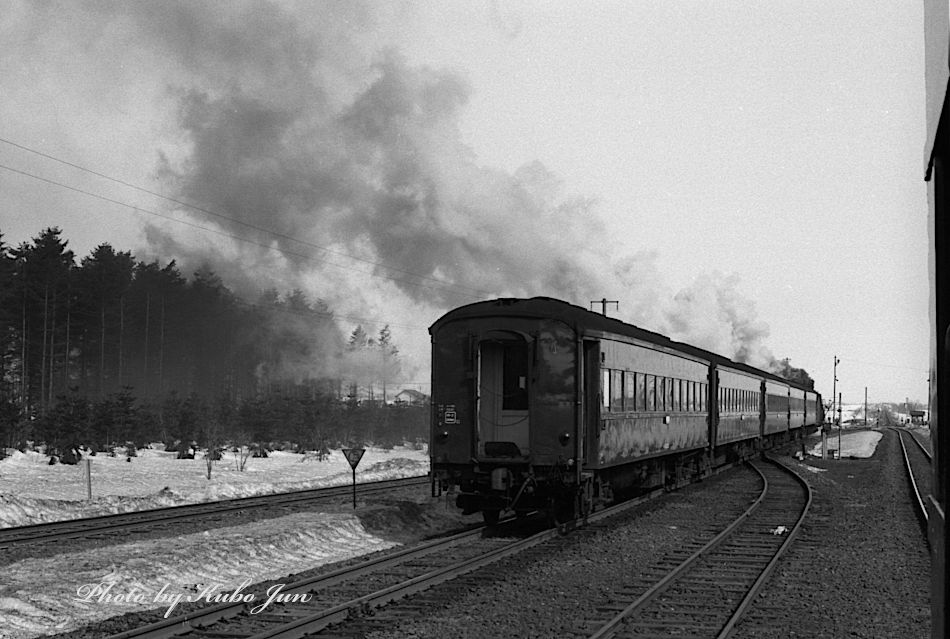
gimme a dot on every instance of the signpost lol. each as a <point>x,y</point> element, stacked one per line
<point>354,455</point>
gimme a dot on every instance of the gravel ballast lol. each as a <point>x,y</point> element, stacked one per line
<point>859,568</point>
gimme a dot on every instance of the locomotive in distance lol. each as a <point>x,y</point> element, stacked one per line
<point>538,404</point>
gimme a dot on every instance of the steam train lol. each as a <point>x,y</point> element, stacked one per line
<point>542,405</point>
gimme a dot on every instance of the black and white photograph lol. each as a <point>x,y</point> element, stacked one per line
<point>488,319</point>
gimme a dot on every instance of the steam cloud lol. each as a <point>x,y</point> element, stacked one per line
<point>291,119</point>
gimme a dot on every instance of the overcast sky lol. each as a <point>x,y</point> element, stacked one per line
<point>745,176</point>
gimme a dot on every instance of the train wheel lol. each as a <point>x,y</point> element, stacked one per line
<point>490,517</point>
<point>563,511</point>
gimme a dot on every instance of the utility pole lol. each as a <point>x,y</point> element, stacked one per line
<point>865,406</point>
<point>603,304</point>
<point>839,425</point>
<point>834,389</point>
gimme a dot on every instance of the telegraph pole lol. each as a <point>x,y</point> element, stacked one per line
<point>865,406</point>
<point>603,304</point>
<point>834,389</point>
<point>839,425</point>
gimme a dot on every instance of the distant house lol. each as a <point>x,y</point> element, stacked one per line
<point>409,397</point>
<point>918,417</point>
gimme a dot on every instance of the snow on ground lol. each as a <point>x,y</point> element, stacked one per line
<point>31,491</point>
<point>47,596</point>
<point>853,444</point>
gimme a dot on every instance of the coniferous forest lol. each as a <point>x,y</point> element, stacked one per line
<point>104,351</point>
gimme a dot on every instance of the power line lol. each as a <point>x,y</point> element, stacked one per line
<point>326,315</point>
<point>238,238</point>
<point>235,237</point>
<point>858,361</point>
<point>224,217</point>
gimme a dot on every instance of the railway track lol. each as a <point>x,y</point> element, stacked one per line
<point>705,592</point>
<point>918,461</point>
<point>312,605</point>
<point>923,442</point>
<point>352,594</point>
<point>109,524</point>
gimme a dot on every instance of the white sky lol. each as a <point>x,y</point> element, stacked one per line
<point>777,142</point>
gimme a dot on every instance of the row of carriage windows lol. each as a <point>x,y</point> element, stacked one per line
<point>629,391</point>
<point>736,400</point>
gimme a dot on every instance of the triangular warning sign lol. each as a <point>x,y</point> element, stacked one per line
<point>354,455</point>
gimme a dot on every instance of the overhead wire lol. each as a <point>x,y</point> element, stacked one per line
<point>139,209</point>
<point>858,361</point>
<point>277,234</point>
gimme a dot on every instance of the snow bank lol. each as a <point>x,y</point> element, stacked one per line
<point>31,491</point>
<point>46,596</point>
<point>853,444</point>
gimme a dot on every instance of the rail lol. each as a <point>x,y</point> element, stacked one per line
<point>916,480</point>
<point>745,553</point>
<point>80,527</point>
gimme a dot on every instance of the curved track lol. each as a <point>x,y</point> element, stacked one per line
<point>353,593</point>
<point>108,524</point>
<point>918,461</point>
<point>708,592</point>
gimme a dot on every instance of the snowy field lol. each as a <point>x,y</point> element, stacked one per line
<point>31,491</point>
<point>853,444</point>
<point>39,597</point>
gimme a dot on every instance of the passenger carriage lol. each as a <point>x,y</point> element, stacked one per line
<point>539,404</point>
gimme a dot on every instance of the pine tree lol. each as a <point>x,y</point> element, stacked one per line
<point>44,272</point>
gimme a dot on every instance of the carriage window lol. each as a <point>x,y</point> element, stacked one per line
<point>605,388</point>
<point>515,377</point>
<point>669,393</point>
<point>676,394</point>
<point>641,391</point>
<point>651,392</point>
<point>688,395</point>
<point>629,390</point>
<point>616,390</point>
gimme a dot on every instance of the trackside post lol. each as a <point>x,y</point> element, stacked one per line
<point>354,455</point>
